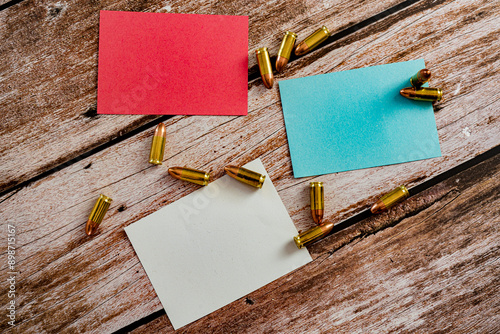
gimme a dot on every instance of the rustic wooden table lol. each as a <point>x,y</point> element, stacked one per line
<point>431,264</point>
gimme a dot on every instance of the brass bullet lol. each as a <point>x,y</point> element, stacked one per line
<point>312,41</point>
<point>190,175</point>
<point>422,94</point>
<point>317,201</point>
<point>285,50</point>
<point>246,176</point>
<point>420,78</point>
<point>97,214</point>
<point>158,145</point>
<point>389,200</point>
<point>266,71</point>
<point>315,233</point>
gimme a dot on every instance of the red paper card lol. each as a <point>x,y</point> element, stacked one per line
<point>172,64</point>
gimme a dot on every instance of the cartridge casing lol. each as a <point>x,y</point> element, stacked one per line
<point>422,94</point>
<point>315,233</point>
<point>312,41</point>
<point>317,201</point>
<point>97,214</point>
<point>389,200</point>
<point>158,145</point>
<point>191,175</point>
<point>266,71</point>
<point>285,50</point>
<point>420,78</point>
<point>246,176</point>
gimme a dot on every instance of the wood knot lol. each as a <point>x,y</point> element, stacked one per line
<point>54,10</point>
<point>122,208</point>
<point>91,112</point>
<point>249,301</point>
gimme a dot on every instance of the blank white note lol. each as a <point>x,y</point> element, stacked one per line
<point>216,245</point>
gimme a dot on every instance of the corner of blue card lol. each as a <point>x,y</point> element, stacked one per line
<point>357,119</point>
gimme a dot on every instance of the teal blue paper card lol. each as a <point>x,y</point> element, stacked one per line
<point>357,119</point>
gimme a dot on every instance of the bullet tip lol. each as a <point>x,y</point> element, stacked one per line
<point>161,130</point>
<point>90,228</point>
<point>426,74</point>
<point>301,49</point>
<point>378,207</point>
<point>281,63</point>
<point>268,80</point>
<point>406,92</point>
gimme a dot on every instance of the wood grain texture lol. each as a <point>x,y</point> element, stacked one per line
<point>48,73</point>
<point>69,282</point>
<point>436,271</point>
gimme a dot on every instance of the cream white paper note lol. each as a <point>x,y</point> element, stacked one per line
<point>216,245</point>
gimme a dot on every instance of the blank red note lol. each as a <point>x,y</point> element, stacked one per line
<point>172,64</point>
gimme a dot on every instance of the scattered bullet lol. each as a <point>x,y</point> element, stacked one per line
<point>389,200</point>
<point>158,145</point>
<point>246,176</point>
<point>191,175</point>
<point>422,94</point>
<point>420,78</point>
<point>285,50</point>
<point>97,214</point>
<point>315,233</point>
<point>312,41</point>
<point>317,201</point>
<point>266,71</point>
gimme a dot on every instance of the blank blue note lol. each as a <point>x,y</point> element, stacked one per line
<point>357,119</point>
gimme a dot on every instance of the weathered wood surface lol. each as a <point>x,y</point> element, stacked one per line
<point>3,2</point>
<point>48,73</point>
<point>69,282</point>
<point>436,271</point>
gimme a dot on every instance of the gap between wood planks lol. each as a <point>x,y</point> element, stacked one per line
<point>9,4</point>
<point>253,75</point>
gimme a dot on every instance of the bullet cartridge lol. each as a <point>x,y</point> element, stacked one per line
<point>246,176</point>
<point>420,78</point>
<point>97,214</point>
<point>312,41</point>
<point>158,145</point>
<point>389,200</point>
<point>317,201</point>
<point>315,233</point>
<point>422,94</point>
<point>285,50</point>
<point>191,175</point>
<point>266,71</point>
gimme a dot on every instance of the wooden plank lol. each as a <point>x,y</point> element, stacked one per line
<point>48,74</point>
<point>3,2</point>
<point>63,270</point>
<point>435,271</point>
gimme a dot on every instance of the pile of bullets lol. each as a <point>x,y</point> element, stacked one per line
<point>419,93</point>
<point>416,92</point>
<point>317,211</point>
<point>195,176</point>
<point>287,45</point>
<point>323,228</point>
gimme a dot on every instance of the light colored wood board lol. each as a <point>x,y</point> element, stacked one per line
<point>435,271</point>
<point>48,74</point>
<point>50,213</point>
